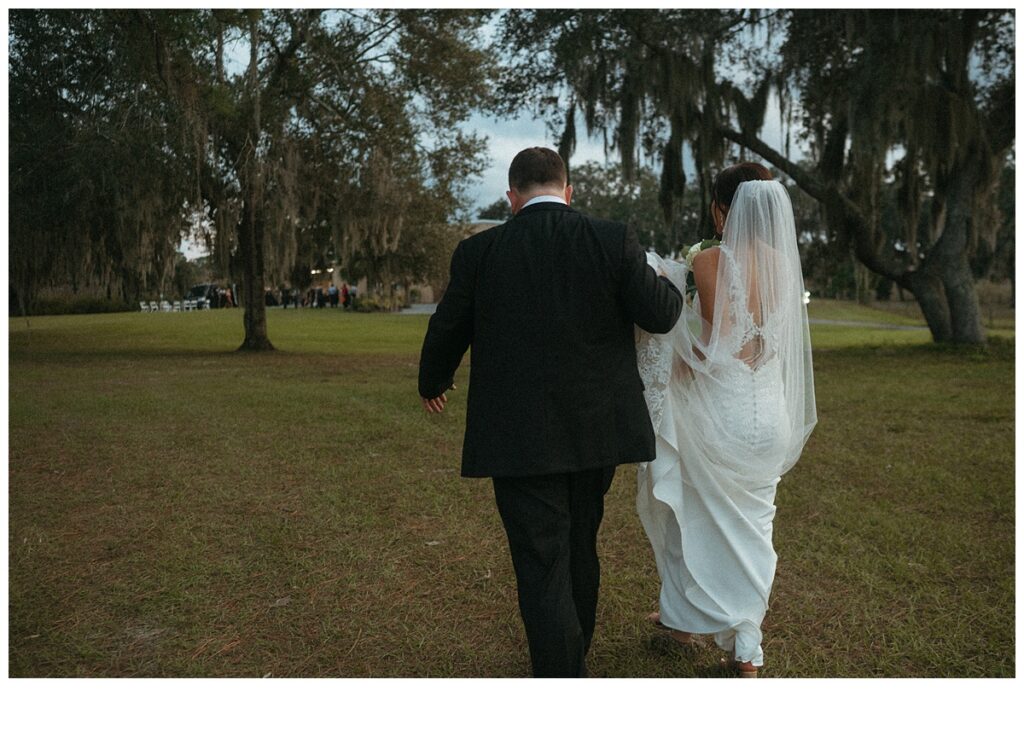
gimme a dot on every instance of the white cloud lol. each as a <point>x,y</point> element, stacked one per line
<point>506,138</point>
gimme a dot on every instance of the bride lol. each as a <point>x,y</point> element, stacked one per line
<point>731,397</point>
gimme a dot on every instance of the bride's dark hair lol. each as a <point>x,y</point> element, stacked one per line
<point>726,182</point>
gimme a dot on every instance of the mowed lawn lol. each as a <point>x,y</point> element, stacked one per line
<point>180,509</point>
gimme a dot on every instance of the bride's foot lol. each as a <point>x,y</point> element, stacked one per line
<point>683,638</point>
<point>677,635</point>
<point>742,669</point>
<point>655,618</point>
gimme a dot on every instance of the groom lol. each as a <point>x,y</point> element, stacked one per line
<point>548,301</point>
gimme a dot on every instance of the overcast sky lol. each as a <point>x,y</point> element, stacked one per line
<point>507,137</point>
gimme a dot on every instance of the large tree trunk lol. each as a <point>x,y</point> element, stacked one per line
<point>250,231</point>
<point>948,257</point>
<point>964,309</point>
<point>949,303</point>
<point>250,247</point>
<point>928,292</point>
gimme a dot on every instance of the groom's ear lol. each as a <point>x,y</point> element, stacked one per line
<point>568,193</point>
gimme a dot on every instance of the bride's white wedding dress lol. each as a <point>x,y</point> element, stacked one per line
<point>732,403</point>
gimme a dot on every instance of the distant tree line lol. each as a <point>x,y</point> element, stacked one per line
<point>300,137</point>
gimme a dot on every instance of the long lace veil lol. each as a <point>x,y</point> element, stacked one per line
<point>755,353</point>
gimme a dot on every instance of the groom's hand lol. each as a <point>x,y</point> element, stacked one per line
<point>435,405</point>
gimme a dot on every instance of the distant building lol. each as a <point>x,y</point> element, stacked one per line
<point>482,225</point>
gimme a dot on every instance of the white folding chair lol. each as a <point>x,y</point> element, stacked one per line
<point>154,307</point>
<point>165,306</point>
<point>143,306</point>
<point>177,306</point>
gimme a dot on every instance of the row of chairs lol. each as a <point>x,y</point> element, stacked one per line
<point>187,305</point>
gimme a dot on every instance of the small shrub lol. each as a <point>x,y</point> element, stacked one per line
<point>369,304</point>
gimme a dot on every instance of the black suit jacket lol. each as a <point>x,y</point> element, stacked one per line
<point>548,301</point>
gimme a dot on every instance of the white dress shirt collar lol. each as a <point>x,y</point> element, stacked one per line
<point>545,198</point>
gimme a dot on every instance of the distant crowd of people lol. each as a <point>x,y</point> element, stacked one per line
<point>224,298</point>
<point>316,297</point>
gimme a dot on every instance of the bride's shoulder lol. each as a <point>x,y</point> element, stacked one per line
<point>711,251</point>
<point>706,260</point>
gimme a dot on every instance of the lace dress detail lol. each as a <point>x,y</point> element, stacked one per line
<point>654,361</point>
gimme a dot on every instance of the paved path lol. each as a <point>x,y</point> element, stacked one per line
<point>429,309</point>
<point>855,324</point>
<point>419,309</point>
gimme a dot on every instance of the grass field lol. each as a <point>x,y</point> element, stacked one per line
<point>179,509</point>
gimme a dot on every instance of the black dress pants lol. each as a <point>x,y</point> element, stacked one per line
<point>552,523</point>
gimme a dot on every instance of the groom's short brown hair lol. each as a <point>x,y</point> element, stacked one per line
<point>536,166</point>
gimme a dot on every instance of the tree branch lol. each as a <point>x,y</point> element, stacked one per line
<point>830,197</point>
<point>804,178</point>
<point>285,57</point>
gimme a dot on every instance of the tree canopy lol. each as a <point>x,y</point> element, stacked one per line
<point>296,134</point>
<point>302,135</point>
<point>920,101</point>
